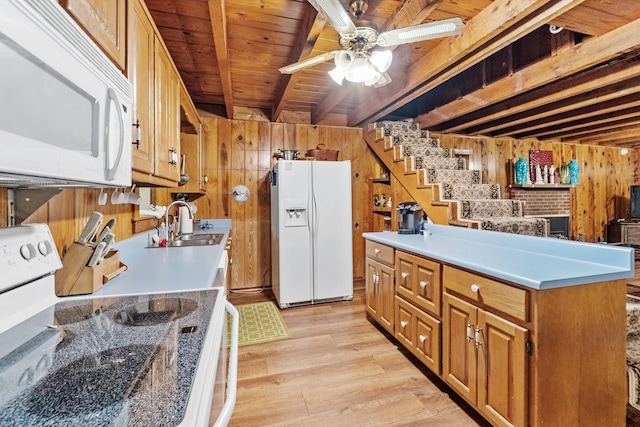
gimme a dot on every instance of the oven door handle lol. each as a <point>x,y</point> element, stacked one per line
<point>232,381</point>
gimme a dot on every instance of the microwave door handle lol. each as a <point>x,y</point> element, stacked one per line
<point>113,98</point>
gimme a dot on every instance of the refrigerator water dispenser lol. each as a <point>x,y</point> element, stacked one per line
<point>295,213</point>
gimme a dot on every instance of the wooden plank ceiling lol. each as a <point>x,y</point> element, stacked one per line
<point>506,74</point>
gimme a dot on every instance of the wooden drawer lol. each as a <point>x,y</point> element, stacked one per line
<point>490,293</point>
<point>418,281</point>
<point>380,252</point>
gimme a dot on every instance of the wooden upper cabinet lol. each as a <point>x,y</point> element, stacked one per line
<point>167,111</point>
<point>105,22</point>
<point>156,94</point>
<point>140,73</point>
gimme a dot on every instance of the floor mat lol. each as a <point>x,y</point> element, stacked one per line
<point>260,323</point>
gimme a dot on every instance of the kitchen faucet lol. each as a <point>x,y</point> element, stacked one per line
<point>166,216</point>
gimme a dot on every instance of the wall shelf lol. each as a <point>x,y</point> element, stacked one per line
<point>543,186</point>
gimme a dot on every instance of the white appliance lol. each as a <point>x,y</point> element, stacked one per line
<point>140,359</point>
<point>311,235</point>
<point>65,109</point>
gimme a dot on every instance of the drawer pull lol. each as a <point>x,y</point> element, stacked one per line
<point>475,288</point>
<point>469,332</point>
<point>403,324</point>
<point>423,284</point>
<point>404,277</point>
<point>422,338</point>
<point>377,251</point>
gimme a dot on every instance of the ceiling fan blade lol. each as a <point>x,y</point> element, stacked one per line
<point>309,62</point>
<point>337,16</point>
<point>420,32</point>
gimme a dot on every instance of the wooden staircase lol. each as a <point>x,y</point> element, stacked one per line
<point>402,169</point>
<point>404,149</point>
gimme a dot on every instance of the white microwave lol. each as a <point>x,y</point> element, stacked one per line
<point>65,109</point>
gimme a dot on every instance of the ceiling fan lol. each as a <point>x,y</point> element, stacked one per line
<point>356,62</point>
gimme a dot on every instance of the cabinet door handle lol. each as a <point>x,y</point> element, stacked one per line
<point>422,338</point>
<point>469,332</point>
<point>403,324</point>
<point>423,284</point>
<point>475,288</point>
<point>478,330</point>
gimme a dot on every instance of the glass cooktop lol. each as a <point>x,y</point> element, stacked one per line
<point>104,361</point>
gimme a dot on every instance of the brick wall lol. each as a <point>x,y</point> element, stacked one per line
<point>544,201</point>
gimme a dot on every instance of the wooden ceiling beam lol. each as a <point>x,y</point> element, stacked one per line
<point>590,53</point>
<point>630,133</point>
<point>521,108</point>
<point>312,25</point>
<point>583,125</point>
<point>495,27</point>
<point>598,101</point>
<point>217,15</point>
<point>412,12</point>
<point>601,126</point>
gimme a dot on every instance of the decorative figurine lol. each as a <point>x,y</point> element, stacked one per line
<point>382,200</point>
<point>389,202</point>
<point>539,175</point>
<point>376,199</point>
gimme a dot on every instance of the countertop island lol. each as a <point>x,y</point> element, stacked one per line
<point>530,331</point>
<point>535,262</point>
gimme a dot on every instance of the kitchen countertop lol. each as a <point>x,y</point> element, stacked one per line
<point>168,269</point>
<point>534,262</point>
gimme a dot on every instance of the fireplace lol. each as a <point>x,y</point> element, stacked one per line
<point>552,203</point>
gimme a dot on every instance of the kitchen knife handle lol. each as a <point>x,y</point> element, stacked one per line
<point>97,254</point>
<point>90,228</point>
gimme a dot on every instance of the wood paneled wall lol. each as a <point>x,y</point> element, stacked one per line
<point>240,152</point>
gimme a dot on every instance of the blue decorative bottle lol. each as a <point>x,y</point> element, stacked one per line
<point>574,172</point>
<point>522,170</point>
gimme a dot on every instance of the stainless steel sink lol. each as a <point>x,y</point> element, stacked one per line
<point>204,239</point>
<point>216,237</point>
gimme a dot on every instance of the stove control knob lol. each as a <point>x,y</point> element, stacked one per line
<point>28,251</point>
<point>44,247</point>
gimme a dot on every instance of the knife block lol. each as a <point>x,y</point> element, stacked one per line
<point>75,278</point>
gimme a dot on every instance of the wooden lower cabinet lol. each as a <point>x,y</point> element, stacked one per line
<point>485,361</point>
<point>520,356</point>
<point>380,292</point>
<point>419,333</point>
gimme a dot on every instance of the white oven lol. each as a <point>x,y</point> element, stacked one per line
<point>65,109</point>
<point>139,359</point>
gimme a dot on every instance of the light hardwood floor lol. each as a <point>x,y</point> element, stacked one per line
<point>339,369</point>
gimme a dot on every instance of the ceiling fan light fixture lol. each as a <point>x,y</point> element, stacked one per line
<point>381,59</point>
<point>337,75</point>
<point>360,71</point>
<point>344,59</point>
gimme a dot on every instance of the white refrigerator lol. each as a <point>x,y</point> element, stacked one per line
<point>311,234</point>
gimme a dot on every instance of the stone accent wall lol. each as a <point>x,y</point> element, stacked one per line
<point>544,201</point>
